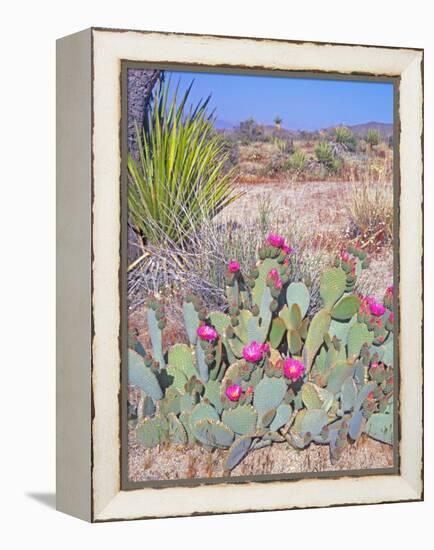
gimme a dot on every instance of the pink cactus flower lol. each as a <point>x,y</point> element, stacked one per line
<point>249,390</point>
<point>287,249</point>
<point>233,392</point>
<point>370,396</point>
<point>345,256</point>
<point>275,277</point>
<point>254,352</point>
<point>293,369</point>
<point>205,332</point>
<point>273,274</point>
<point>376,308</point>
<point>389,291</point>
<point>392,318</point>
<point>233,266</point>
<point>374,365</point>
<point>275,240</point>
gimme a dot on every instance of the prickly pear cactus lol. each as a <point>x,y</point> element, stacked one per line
<point>264,371</point>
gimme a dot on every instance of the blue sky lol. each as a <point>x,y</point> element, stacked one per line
<point>303,104</point>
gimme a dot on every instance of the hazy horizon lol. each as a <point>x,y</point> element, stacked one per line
<point>302,103</point>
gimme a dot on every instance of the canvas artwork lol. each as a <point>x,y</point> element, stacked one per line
<point>260,270</point>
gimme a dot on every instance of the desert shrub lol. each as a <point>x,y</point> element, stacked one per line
<point>297,161</point>
<point>285,146</point>
<point>326,157</point>
<point>371,213</point>
<point>362,146</point>
<point>324,153</point>
<point>180,171</point>
<point>275,165</point>
<point>266,372</point>
<point>344,137</point>
<point>372,137</point>
<point>249,131</point>
<point>198,264</point>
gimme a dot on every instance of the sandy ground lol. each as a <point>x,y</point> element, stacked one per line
<point>313,204</point>
<point>181,462</point>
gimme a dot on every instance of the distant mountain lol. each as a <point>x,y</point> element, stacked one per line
<point>223,125</point>
<point>384,128</point>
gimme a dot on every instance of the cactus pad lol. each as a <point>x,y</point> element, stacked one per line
<point>156,336</point>
<point>349,394</point>
<point>269,393</point>
<point>332,286</point>
<point>346,308</point>
<point>358,334</point>
<point>177,432</point>
<point>242,420</point>
<point>142,376</point>
<point>213,433</point>
<point>283,415</point>
<point>191,321</point>
<point>298,293</point>
<point>238,450</point>
<point>315,335</point>
<point>380,427</point>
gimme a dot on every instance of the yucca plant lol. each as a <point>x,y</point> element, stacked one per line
<point>180,173</point>
<point>297,161</point>
<point>372,137</point>
<point>344,137</point>
<point>324,153</point>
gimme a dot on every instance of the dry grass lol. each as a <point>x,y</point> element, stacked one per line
<point>262,162</point>
<point>371,214</point>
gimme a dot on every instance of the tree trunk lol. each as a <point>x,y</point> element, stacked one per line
<point>140,85</point>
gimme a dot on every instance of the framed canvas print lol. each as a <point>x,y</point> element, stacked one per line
<point>239,274</point>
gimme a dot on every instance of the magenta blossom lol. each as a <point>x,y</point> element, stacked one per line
<point>273,274</point>
<point>233,266</point>
<point>275,240</point>
<point>233,392</point>
<point>389,291</point>
<point>391,317</point>
<point>376,308</point>
<point>287,249</point>
<point>345,256</point>
<point>293,369</point>
<point>205,332</point>
<point>254,352</point>
<point>275,277</point>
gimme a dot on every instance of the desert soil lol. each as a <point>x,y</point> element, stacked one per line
<point>189,462</point>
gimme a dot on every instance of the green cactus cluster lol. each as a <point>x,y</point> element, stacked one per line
<point>231,386</point>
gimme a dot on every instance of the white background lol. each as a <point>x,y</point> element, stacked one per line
<point>27,229</point>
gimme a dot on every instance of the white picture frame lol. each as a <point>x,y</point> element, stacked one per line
<point>89,482</point>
